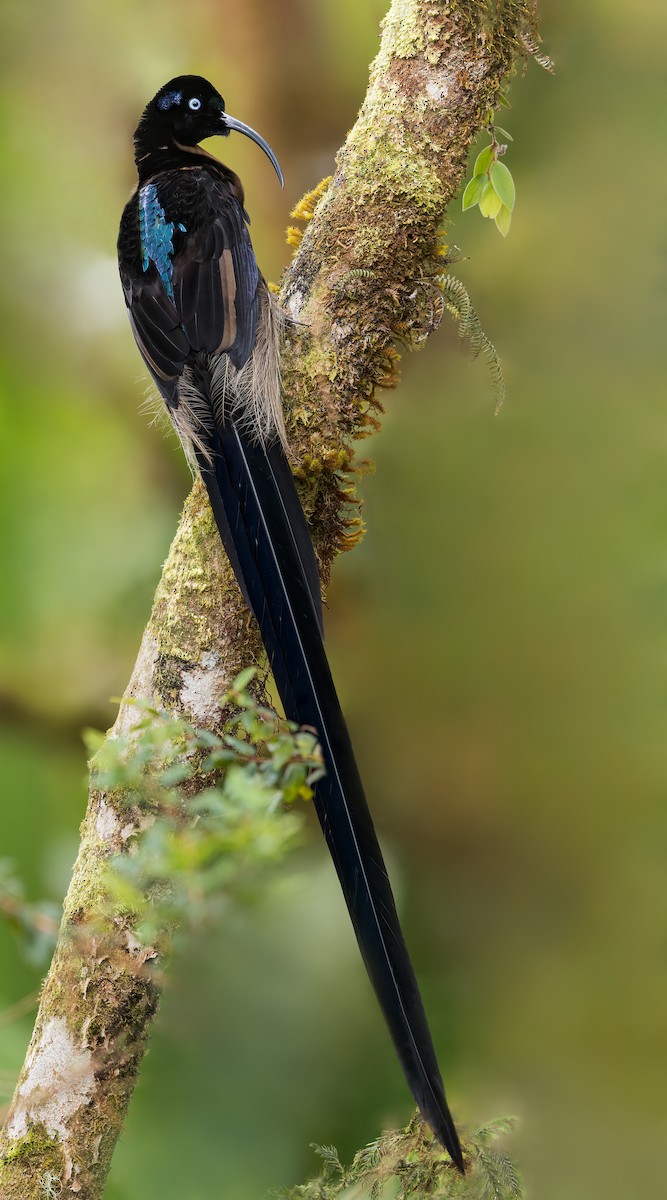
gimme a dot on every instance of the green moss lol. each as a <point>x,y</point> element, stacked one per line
<point>36,1141</point>
<point>404,34</point>
<point>382,172</point>
<point>86,895</point>
<point>193,575</point>
<point>29,1164</point>
<point>197,603</point>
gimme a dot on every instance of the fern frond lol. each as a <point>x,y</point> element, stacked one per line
<point>459,305</point>
<point>494,1130</point>
<point>369,1158</point>
<point>331,1163</point>
<point>408,1164</point>
<point>500,1178</point>
<point>532,47</point>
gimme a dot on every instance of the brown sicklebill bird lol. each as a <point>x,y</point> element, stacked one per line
<point>208,332</point>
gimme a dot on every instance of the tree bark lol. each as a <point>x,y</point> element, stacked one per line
<point>361,282</point>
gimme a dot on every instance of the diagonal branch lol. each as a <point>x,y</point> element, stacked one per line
<point>361,282</point>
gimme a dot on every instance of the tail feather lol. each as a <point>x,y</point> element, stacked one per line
<point>255,504</point>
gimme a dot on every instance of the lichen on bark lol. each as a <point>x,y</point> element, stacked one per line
<point>360,287</point>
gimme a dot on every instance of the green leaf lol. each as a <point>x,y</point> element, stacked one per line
<point>93,739</point>
<point>125,894</point>
<point>505,134</point>
<point>206,739</point>
<point>242,749</point>
<point>503,184</point>
<point>504,220</point>
<point>473,191</point>
<point>503,100</point>
<point>490,202</point>
<point>243,679</point>
<point>483,161</point>
<point>177,773</point>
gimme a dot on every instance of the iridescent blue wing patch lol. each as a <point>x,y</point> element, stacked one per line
<point>157,236</point>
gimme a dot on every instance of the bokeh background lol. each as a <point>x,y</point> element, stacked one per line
<point>500,637</point>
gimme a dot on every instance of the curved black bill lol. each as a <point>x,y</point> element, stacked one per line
<point>239,126</point>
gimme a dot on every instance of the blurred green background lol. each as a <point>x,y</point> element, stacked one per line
<point>500,637</point>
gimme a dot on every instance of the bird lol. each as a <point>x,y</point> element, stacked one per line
<point>208,330</point>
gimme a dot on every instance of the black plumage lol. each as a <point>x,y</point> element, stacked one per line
<point>204,323</point>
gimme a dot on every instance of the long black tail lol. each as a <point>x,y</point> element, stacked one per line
<point>263,528</point>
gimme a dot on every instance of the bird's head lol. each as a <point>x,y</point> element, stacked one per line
<point>184,112</point>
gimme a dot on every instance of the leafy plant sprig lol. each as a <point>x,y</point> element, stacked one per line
<point>492,186</point>
<point>211,804</point>
<point>409,1164</point>
<point>35,925</point>
<point>210,810</point>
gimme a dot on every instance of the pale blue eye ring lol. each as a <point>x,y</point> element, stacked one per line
<point>194,103</point>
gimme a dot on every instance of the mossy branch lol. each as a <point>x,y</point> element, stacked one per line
<point>359,288</point>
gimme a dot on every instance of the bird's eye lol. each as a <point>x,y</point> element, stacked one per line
<point>194,103</point>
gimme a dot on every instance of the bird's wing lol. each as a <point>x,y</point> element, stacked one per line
<point>188,272</point>
<point>215,275</point>
<point>191,286</point>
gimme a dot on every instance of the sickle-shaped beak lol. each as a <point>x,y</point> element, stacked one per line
<point>232,123</point>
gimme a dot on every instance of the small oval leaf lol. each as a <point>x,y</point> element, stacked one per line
<point>503,132</point>
<point>504,220</point>
<point>473,191</point>
<point>503,184</point>
<point>483,161</point>
<point>244,678</point>
<point>490,202</point>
